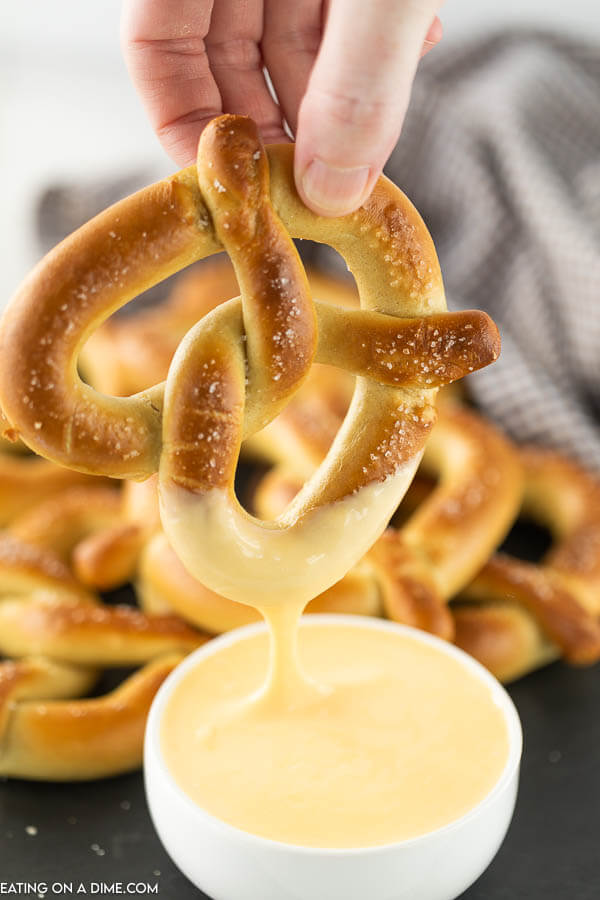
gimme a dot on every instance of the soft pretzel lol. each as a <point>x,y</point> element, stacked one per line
<point>99,269</point>
<point>27,570</point>
<point>128,353</point>
<point>47,733</point>
<point>241,364</point>
<point>97,528</point>
<point>110,557</point>
<point>60,522</point>
<point>65,636</point>
<point>26,480</point>
<point>44,610</point>
<point>520,616</point>
<point>421,564</point>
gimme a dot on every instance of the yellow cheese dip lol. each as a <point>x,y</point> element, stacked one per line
<point>392,738</point>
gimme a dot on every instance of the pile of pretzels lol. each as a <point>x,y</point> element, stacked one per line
<point>310,381</point>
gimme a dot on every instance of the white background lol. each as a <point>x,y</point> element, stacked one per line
<point>67,109</point>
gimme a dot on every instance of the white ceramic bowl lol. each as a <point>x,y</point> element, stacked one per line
<point>230,864</point>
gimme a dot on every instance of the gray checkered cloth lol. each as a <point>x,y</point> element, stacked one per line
<point>501,154</point>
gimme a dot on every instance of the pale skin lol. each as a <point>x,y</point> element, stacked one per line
<point>342,71</point>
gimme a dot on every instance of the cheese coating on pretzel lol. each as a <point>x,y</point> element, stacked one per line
<point>421,564</point>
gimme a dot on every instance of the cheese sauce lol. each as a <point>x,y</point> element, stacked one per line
<point>382,739</point>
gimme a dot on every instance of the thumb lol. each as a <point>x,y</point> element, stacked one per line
<point>351,115</point>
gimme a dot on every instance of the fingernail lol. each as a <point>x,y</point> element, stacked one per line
<point>334,191</point>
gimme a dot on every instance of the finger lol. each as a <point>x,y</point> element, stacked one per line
<point>163,45</point>
<point>291,37</point>
<point>236,62</point>
<point>433,36</point>
<point>358,92</point>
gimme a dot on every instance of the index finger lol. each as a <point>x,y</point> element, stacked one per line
<point>163,46</point>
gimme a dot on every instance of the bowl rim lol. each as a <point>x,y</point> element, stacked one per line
<point>152,736</point>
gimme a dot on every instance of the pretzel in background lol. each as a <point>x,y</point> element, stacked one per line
<point>516,616</point>
<point>58,638</point>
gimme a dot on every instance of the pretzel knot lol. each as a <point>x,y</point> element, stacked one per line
<point>238,366</point>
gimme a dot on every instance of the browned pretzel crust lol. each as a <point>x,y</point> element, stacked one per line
<point>63,520</point>
<point>110,557</point>
<point>99,530</point>
<point>519,615</point>
<point>65,636</point>
<point>46,733</point>
<point>25,480</point>
<point>43,609</point>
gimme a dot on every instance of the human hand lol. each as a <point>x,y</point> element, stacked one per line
<point>342,71</point>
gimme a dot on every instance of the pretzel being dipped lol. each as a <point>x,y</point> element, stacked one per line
<point>243,362</point>
<point>418,566</point>
<point>164,586</point>
<point>519,616</point>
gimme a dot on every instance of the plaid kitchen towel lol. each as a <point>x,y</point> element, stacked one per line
<point>501,155</point>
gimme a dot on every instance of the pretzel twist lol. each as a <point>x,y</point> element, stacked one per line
<point>419,565</point>
<point>512,628</point>
<point>61,637</point>
<point>520,616</point>
<point>242,363</point>
<point>25,480</point>
<point>46,733</point>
